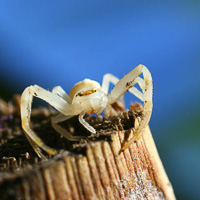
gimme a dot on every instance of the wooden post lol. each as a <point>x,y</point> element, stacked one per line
<point>101,172</point>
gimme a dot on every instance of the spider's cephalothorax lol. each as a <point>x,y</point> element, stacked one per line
<point>89,95</point>
<point>86,96</point>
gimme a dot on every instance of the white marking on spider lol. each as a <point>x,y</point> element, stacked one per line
<point>87,96</point>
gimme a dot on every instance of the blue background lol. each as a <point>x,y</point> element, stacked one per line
<point>53,43</point>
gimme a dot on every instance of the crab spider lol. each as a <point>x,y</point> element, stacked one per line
<point>87,96</point>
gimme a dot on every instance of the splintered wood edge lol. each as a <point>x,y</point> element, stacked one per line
<point>159,172</point>
<point>104,173</point>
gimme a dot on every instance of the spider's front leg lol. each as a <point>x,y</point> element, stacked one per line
<point>85,124</point>
<point>60,92</point>
<point>127,83</point>
<point>26,101</point>
<point>60,117</point>
<point>109,78</point>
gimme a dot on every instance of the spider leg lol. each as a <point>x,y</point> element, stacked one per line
<point>54,100</point>
<point>36,148</point>
<point>59,91</point>
<point>107,79</point>
<point>85,124</point>
<point>113,79</point>
<point>59,118</point>
<point>125,84</point>
<point>135,91</point>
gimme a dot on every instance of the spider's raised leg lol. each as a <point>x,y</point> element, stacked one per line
<point>113,79</point>
<point>54,100</point>
<point>127,83</point>
<point>107,79</point>
<point>59,91</point>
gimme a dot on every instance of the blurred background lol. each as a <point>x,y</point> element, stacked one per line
<point>53,43</point>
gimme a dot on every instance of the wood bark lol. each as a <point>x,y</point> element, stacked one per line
<point>98,171</point>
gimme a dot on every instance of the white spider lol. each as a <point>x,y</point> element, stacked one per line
<point>86,96</point>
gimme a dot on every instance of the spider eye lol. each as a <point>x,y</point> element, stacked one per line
<point>94,90</point>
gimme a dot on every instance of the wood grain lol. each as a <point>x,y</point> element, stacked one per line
<point>100,172</point>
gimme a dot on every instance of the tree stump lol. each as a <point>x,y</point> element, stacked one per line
<point>93,168</point>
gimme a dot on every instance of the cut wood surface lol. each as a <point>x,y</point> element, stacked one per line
<point>93,169</point>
